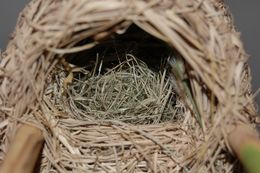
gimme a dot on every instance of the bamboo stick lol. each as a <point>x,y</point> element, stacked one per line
<point>246,144</point>
<point>24,151</point>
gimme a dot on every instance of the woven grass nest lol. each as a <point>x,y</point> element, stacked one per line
<point>189,48</point>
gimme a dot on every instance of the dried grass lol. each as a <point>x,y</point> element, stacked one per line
<point>130,93</point>
<point>215,70</point>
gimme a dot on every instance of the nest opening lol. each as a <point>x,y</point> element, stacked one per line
<point>113,50</point>
<point>125,78</point>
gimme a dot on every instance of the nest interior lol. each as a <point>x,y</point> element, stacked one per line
<point>211,74</point>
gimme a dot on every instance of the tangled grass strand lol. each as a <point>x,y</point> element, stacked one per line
<point>129,92</point>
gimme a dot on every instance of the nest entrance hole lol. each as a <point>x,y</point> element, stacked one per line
<point>134,85</point>
<point>114,49</point>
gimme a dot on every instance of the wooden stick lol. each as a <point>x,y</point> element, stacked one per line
<point>245,143</point>
<point>24,151</point>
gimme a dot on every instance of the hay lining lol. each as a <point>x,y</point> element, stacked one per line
<point>129,92</point>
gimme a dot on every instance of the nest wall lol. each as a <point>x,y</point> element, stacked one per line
<point>201,31</point>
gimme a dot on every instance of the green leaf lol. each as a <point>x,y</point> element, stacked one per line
<point>179,73</point>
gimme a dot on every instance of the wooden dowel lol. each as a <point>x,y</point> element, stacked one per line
<point>24,151</point>
<point>245,142</point>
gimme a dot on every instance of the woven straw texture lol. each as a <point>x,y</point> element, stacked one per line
<point>216,67</point>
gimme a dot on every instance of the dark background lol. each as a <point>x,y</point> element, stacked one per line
<point>246,15</point>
